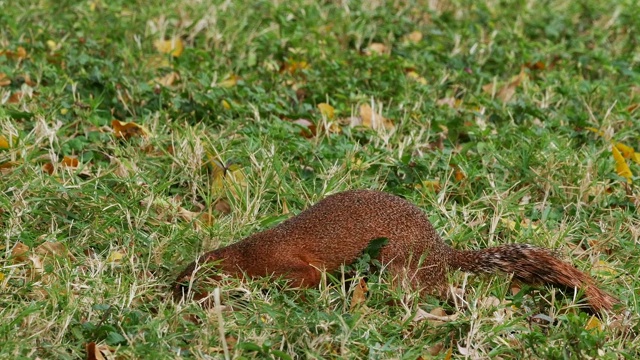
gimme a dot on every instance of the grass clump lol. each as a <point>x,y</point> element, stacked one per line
<point>134,136</point>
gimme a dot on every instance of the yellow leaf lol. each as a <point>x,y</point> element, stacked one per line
<point>326,110</point>
<point>225,177</point>
<point>4,143</point>
<point>626,151</point>
<point>230,81</point>
<point>225,104</point>
<point>508,223</point>
<point>51,45</point>
<point>173,46</point>
<point>128,130</point>
<point>431,185</point>
<point>449,354</point>
<point>115,256</point>
<point>1,276</point>
<point>416,77</point>
<point>295,66</point>
<point>604,269</point>
<point>594,323</point>
<point>622,168</point>
<point>595,131</point>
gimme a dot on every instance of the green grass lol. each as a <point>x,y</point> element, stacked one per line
<point>528,170</point>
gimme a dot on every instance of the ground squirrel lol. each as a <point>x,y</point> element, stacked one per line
<point>336,231</point>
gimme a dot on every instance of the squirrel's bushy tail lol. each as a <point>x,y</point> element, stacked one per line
<point>532,265</point>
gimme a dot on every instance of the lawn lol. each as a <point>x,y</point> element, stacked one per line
<point>135,135</point>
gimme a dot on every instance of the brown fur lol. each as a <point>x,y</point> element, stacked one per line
<point>337,229</point>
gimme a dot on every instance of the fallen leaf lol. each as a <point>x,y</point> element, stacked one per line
<point>52,45</point>
<point>450,102</point>
<point>173,46</point>
<point>20,53</point>
<point>127,130</point>
<point>622,168</point>
<point>48,168</point>
<point>506,92</point>
<point>56,249</point>
<point>376,48</point>
<point>70,161</point>
<point>458,174</point>
<point>168,79</point>
<point>414,36</point>
<point>373,120</point>
<point>309,128</point>
<point>538,65</point>
<point>226,176</point>
<point>114,257</point>
<point>4,80</point>
<point>416,77</point>
<point>15,97</point>
<point>604,269</point>
<point>595,131</point>
<point>359,294</point>
<point>431,185</point>
<point>293,67</point>
<point>230,81</point>
<point>19,252</point>
<point>436,316</point>
<point>594,323</point>
<point>225,104</point>
<point>99,352</point>
<point>326,110</point>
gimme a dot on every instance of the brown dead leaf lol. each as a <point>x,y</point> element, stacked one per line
<point>48,168</point>
<point>376,48</point>
<point>308,128</point>
<point>19,54</point>
<point>15,97</point>
<point>374,120</point>
<point>19,253</point>
<point>506,92</point>
<point>54,249</point>
<point>222,205</point>
<point>4,80</point>
<point>414,37</point>
<point>127,130</point>
<point>359,294</point>
<point>168,80</point>
<point>99,352</point>
<point>69,161</point>
<point>436,316</point>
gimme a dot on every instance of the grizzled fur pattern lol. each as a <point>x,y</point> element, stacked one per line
<point>336,230</point>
